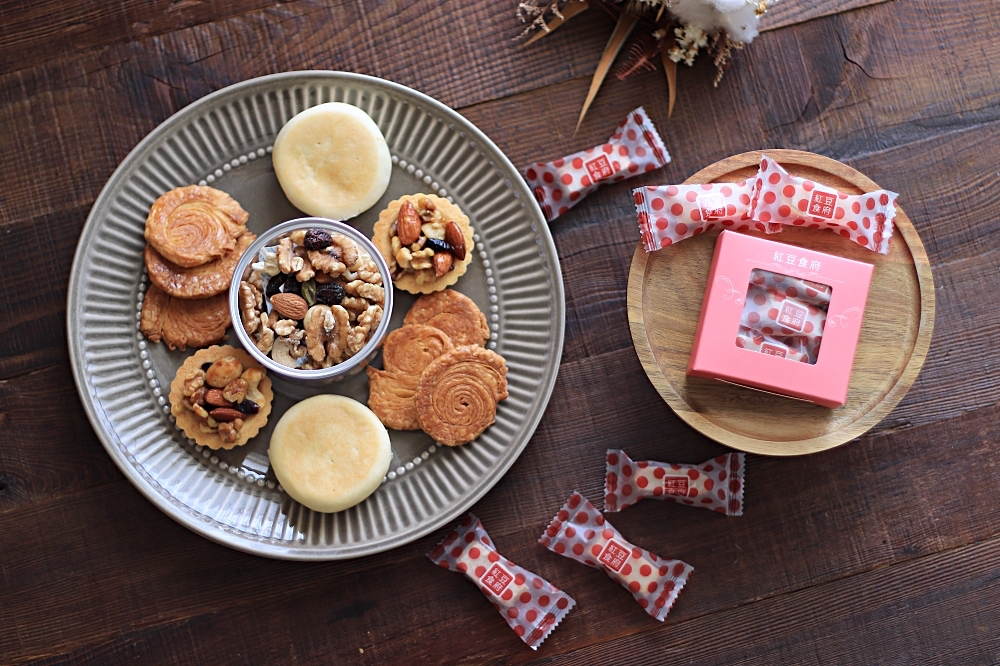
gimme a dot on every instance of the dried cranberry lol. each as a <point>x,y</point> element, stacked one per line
<point>247,407</point>
<point>330,294</point>
<point>438,245</point>
<point>274,284</point>
<point>292,286</point>
<point>317,239</point>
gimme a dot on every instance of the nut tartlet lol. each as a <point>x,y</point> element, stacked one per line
<point>221,397</point>
<point>426,240</point>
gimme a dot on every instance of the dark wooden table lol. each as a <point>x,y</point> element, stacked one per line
<point>885,550</point>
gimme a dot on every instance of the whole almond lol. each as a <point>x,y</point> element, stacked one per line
<point>442,263</point>
<point>214,397</point>
<point>453,236</point>
<point>408,224</point>
<point>225,414</point>
<point>291,306</point>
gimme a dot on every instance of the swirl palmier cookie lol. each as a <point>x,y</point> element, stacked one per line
<point>392,398</point>
<point>405,355</point>
<point>201,281</point>
<point>191,226</point>
<point>458,393</point>
<point>452,312</point>
<point>221,397</point>
<point>182,323</point>
<point>426,240</point>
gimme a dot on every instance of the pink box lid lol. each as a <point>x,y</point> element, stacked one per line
<point>715,354</point>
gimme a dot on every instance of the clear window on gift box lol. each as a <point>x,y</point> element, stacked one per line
<point>783,316</point>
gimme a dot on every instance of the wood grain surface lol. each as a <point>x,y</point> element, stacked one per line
<point>880,551</point>
<point>892,344</point>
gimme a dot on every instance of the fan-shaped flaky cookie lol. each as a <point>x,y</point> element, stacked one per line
<point>409,349</point>
<point>186,419</point>
<point>193,225</point>
<point>458,393</point>
<point>182,323</point>
<point>382,238</point>
<point>391,398</point>
<point>198,282</point>
<point>452,312</point>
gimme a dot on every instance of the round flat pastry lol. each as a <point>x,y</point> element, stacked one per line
<point>332,161</point>
<point>200,281</point>
<point>458,393</point>
<point>452,312</point>
<point>191,425</point>
<point>329,452</point>
<point>193,225</point>
<point>181,323</point>
<point>393,399</point>
<point>409,349</point>
<point>424,281</point>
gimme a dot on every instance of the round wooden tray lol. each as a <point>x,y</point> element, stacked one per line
<point>665,290</point>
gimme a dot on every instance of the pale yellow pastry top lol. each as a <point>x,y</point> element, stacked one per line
<point>330,452</point>
<point>332,161</point>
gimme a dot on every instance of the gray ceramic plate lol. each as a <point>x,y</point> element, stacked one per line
<point>224,140</point>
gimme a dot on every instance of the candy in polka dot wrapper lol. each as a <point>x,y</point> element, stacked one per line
<point>784,316</point>
<point>580,532</point>
<point>867,219</point>
<point>715,484</point>
<point>670,213</point>
<point>531,605</point>
<point>634,148</point>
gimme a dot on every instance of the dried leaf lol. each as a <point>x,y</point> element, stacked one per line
<point>626,22</point>
<point>573,8</point>
<point>670,67</point>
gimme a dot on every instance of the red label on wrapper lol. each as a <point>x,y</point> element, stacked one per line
<point>614,556</point>
<point>496,579</point>
<point>773,350</point>
<point>713,206</point>
<point>822,204</point>
<point>675,485</point>
<point>599,168</point>
<point>792,316</point>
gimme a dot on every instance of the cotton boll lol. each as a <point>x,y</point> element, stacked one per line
<point>742,24</point>
<point>697,12</point>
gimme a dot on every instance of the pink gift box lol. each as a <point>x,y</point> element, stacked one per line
<point>716,354</point>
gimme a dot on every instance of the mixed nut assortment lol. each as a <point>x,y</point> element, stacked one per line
<point>313,300</point>
<point>222,395</point>
<point>424,241</point>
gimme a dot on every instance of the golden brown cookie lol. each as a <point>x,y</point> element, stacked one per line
<point>200,281</point>
<point>409,349</point>
<point>424,281</point>
<point>193,225</point>
<point>192,425</point>
<point>452,312</point>
<point>391,397</point>
<point>181,323</point>
<point>458,393</point>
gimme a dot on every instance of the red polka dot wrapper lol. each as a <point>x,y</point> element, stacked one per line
<point>670,213</point>
<point>531,605</point>
<point>580,532</point>
<point>634,148</point>
<point>715,484</point>
<point>866,219</point>
<point>790,347</point>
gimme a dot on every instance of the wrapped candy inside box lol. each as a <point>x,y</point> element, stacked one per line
<point>780,318</point>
